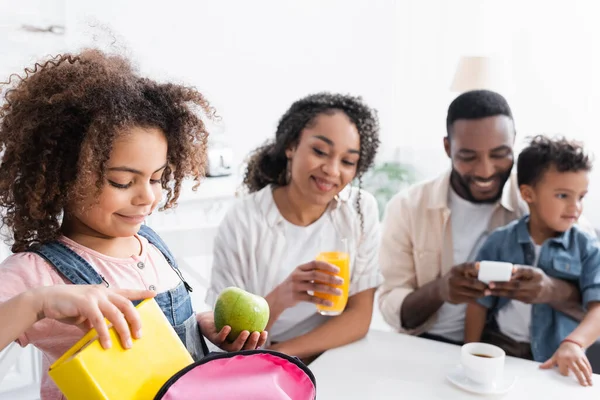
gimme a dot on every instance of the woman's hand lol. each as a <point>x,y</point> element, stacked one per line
<point>571,357</point>
<point>244,341</point>
<point>315,276</point>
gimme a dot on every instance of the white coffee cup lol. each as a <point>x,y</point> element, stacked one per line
<point>494,271</point>
<point>482,363</point>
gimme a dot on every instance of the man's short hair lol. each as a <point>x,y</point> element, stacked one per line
<point>476,104</point>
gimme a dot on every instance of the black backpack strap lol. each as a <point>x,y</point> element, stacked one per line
<point>70,264</point>
<point>152,237</point>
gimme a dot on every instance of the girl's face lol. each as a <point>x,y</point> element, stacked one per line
<point>132,188</point>
<point>326,157</point>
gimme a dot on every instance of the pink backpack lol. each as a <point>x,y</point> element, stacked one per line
<point>243,375</point>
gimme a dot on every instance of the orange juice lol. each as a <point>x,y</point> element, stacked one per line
<point>342,261</point>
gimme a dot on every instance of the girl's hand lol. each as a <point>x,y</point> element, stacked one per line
<point>315,276</point>
<point>245,340</point>
<point>87,305</point>
<point>571,357</point>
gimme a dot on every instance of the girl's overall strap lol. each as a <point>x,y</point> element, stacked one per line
<point>70,264</point>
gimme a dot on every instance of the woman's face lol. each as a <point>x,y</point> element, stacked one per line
<point>325,159</point>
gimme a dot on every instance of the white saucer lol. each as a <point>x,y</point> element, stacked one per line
<point>458,378</point>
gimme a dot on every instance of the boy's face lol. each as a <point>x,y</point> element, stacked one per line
<point>556,200</point>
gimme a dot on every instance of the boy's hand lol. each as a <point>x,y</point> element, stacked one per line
<point>571,357</point>
<point>245,340</point>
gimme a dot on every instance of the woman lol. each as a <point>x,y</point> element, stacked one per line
<point>301,199</point>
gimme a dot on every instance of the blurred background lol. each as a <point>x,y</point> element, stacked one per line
<point>253,59</point>
<point>407,58</point>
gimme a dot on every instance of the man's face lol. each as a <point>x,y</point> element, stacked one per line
<point>482,157</point>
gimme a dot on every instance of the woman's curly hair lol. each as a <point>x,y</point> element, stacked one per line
<point>268,163</point>
<point>58,123</point>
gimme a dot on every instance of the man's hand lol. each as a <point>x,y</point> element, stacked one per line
<point>528,284</point>
<point>460,284</point>
<point>244,341</point>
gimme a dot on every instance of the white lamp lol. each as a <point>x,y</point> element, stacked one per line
<point>477,72</point>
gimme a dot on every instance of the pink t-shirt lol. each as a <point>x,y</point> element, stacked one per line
<point>23,271</point>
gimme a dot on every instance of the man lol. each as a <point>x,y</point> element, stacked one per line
<point>433,230</point>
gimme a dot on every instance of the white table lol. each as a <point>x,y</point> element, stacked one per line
<point>389,365</point>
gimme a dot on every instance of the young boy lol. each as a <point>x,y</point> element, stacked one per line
<point>553,179</point>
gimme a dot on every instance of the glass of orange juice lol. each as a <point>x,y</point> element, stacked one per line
<point>337,255</point>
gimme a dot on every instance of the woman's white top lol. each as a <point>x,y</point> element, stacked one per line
<point>256,249</point>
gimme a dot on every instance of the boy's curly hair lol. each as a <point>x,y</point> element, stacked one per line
<point>58,123</point>
<point>544,152</point>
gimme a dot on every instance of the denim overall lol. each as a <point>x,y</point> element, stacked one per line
<point>175,303</point>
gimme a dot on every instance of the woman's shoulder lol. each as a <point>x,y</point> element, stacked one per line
<point>366,201</point>
<point>250,207</point>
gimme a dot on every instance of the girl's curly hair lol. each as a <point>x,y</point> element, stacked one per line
<point>268,164</point>
<point>58,123</point>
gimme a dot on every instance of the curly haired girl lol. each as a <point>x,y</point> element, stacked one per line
<point>88,148</point>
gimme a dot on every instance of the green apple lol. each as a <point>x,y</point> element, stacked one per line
<point>242,311</point>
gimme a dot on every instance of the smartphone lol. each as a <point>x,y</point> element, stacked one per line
<point>494,271</point>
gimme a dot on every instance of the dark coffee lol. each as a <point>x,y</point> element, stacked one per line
<point>482,355</point>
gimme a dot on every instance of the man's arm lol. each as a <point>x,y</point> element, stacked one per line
<point>475,317</point>
<point>572,299</point>
<point>459,285</point>
<point>403,304</point>
<point>531,285</point>
<point>566,298</point>
<point>420,305</point>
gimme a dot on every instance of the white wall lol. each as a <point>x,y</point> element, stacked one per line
<point>252,59</point>
<point>18,48</point>
<point>552,55</point>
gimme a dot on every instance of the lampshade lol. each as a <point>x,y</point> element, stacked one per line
<point>476,72</point>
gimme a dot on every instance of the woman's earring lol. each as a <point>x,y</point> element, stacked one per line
<point>346,188</point>
<point>288,171</point>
